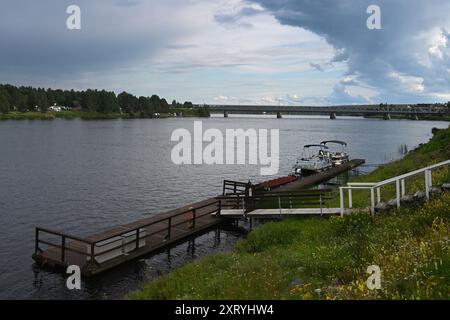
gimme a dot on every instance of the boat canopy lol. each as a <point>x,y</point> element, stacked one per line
<point>334,141</point>
<point>315,145</point>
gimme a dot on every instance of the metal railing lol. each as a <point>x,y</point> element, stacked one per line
<point>276,200</point>
<point>138,233</point>
<point>400,186</point>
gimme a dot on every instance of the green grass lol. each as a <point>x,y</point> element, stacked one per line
<point>318,258</point>
<point>436,150</point>
<point>324,259</point>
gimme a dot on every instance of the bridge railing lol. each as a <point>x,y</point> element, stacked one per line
<point>398,181</point>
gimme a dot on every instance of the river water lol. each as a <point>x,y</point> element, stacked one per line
<point>86,176</point>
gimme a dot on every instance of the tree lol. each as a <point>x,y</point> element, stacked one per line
<point>4,101</point>
<point>41,101</point>
<point>31,100</point>
<point>89,101</point>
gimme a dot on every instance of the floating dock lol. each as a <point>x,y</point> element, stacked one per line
<point>318,178</point>
<point>100,252</point>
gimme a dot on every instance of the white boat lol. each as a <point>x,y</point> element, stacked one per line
<point>337,157</point>
<point>312,161</point>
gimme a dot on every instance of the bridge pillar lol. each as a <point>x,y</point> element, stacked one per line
<point>225,114</point>
<point>386,116</point>
<point>279,116</point>
<point>333,116</point>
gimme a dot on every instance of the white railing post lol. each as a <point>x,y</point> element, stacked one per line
<point>350,199</point>
<point>397,187</point>
<point>372,200</point>
<point>378,195</point>
<point>279,204</point>
<point>341,197</point>
<point>430,178</point>
<point>403,187</point>
<point>427,184</point>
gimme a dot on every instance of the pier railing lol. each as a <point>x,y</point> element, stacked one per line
<point>399,182</point>
<point>123,242</point>
<point>276,200</point>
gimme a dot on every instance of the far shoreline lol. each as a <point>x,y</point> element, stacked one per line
<point>83,115</point>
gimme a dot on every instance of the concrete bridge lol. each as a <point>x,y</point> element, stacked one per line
<point>410,111</point>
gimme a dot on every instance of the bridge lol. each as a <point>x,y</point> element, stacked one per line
<point>408,111</point>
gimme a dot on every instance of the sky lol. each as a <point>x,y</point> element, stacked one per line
<point>283,52</point>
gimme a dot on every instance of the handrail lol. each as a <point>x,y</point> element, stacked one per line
<point>413,173</point>
<point>62,234</point>
<point>399,182</point>
<point>160,220</point>
<point>95,244</point>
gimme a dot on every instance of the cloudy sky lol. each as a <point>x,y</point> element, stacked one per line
<point>300,52</point>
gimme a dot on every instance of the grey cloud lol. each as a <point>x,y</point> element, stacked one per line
<point>372,55</point>
<point>113,34</point>
<point>317,66</point>
<point>234,18</point>
<point>341,96</point>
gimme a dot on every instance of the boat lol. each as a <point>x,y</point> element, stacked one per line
<point>311,161</point>
<point>337,157</point>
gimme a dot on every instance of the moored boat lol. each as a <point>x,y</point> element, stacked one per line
<point>337,157</point>
<point>312,161</point>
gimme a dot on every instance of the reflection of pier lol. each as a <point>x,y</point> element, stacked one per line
<point>97,253</point>
<point>384,111</point>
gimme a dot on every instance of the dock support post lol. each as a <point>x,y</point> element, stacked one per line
<point>93,253</point>
<point>194,217</point>
<point>372,201</point>
<point>137,237</point>
<point>350,199</point>
<point>341,196</point>
<point>63,248</point>
<point>36,241</point>
<point>397,189</point>
<point>169,228</point>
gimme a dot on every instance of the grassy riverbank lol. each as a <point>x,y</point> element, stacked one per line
<point>327,258</point>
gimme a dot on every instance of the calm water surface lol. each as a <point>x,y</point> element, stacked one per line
<point>85,176</point>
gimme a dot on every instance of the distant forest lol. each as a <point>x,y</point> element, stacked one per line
<point>28,99</point>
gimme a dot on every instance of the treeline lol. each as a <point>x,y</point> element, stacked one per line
<point>28,99</point>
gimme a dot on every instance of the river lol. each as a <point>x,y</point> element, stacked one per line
<point>85,176</point>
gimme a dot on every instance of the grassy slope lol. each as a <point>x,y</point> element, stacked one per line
<point>327,259</point>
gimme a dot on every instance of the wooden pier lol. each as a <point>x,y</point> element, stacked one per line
<point>318,178</point>
<point>100,252</point>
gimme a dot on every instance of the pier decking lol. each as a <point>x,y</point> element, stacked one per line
<point>99,252</point>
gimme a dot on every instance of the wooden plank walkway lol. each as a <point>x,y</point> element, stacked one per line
<point>102,251</point>
<point>315,179</point>
<point>120,244</point>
